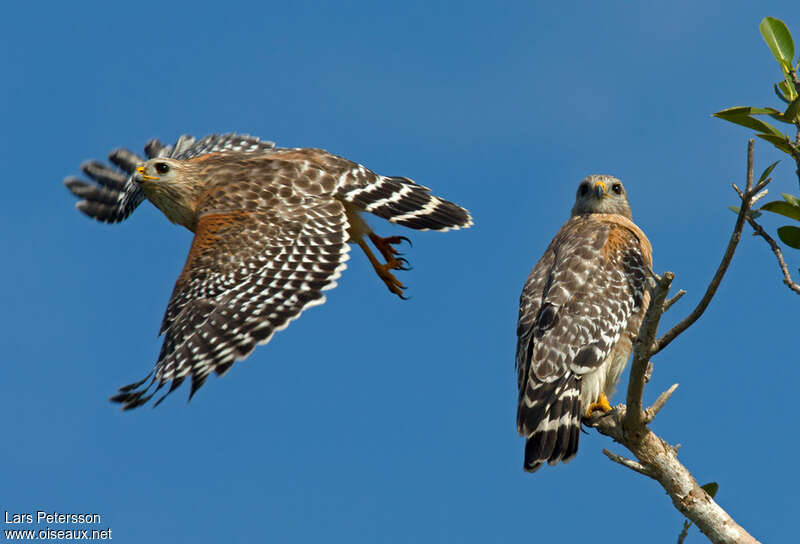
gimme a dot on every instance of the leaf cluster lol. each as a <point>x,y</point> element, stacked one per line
<point>780,43</point>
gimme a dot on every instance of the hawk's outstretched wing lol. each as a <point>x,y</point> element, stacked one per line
<point>250,271</point>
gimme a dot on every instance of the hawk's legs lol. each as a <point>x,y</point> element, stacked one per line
<point>601,405</point>
<point>393,262</point>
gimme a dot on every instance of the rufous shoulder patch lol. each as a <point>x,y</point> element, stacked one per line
<point>619,235</point>
<point>206,235</point>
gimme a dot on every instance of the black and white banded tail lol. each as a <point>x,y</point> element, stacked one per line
<point>549,417</point>
<point>406,203</point>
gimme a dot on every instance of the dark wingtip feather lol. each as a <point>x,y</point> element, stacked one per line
<point>113,196</point>
<point>176,382</point>
<point>153,148</point>
<point>77,186</point>
<point>135,394</point>
<point>125,159</point>
<point>197,383</point>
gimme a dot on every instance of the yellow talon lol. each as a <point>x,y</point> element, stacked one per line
<point>601,404</point>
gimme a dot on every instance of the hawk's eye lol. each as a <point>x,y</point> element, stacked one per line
<point>617,188</point>
<point>162,167</point>
<point>583,189</point>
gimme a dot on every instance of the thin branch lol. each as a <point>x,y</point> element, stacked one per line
<point>761,184</point>
<point>787,278</point>
<point>758,197</point>
<point>627,463</point>
<point>668,304</point>
<point>642,350</point>
<point>746,197</point>
<point>685,532</point>
<point>656,407</point>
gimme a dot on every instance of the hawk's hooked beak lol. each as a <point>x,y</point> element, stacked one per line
<point>600,190</point>
<point>140,171</point>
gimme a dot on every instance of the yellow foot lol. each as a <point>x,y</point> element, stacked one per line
<point>384,245</point>
<point>601,404</point>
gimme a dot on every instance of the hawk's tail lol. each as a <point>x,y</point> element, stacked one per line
<point>552,427</point>
<point>406,203</point>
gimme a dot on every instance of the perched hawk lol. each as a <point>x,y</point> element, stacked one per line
<point>579,310</point>
<point>271,229</point>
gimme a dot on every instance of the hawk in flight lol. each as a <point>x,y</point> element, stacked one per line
<point>579,310</point>
<point>271,230</point>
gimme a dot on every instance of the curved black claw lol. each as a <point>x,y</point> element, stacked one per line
<point>404,239</point>
<point>403,264</point>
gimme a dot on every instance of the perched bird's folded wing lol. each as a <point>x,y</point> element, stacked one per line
<point>574,309</point>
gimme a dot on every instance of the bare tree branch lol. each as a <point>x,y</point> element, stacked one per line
<point>642,349</point>
<point>659,461</point>
<point>662,399</point>
<point>628,463</point>
<point>787,278</point>
<point>668,303</point>
<point>685,532</point>
<point>747,199</point>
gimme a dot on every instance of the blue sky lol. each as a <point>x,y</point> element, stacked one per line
<point>371,419</point>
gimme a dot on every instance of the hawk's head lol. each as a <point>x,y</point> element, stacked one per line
<point>601,194</point>
<point>160,169</point>
<point>169,185</point>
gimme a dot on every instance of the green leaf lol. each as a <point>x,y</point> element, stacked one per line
<point>782,208</point>
<point>781,142</point>
<point>739,111</point>
<point>790,236</point>
<point>791,199</point>
<point>792,111</point>
<point>747,110</point>
<point>749,122</point>
<point>768,171</point>
<point>779,40</point>
<point>711,488</point>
